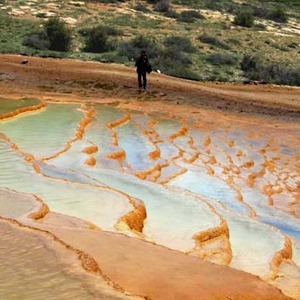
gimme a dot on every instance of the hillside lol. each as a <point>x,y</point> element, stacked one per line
<point>200,40</point>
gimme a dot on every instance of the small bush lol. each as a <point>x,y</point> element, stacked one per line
<point>270,72</point>
<point>260,26</point>
<point>208,39</point>
<point>234,41</point>
<point>179,43</point>
<point>36,40</point>
<point>133,48</point>
<point>172,14</point>
<point>244,18</point>
<point>221,59</point>
<point>99,39</point>
<point>278,14</point>
<point>96,41</point>
<point>189,16</point>
<point>141,7</point>
<point>248,64</point>
<point>55,36</point>
<point>162,6</point>
<point>58,34</point>
<point>175,63</point>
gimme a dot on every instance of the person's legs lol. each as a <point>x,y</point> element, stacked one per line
<point>144,81</point>
<point>140,80</point>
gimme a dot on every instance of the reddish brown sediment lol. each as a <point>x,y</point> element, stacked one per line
<point>143,174</point>
<point>90,149</point>
<point>118,155</point>
<point>207,141</point>
<point>182,132</point>
<point>135,219</point>
<point>192,158</point>
<point>154,155</point>
<point>23,110</point>
<point>284,254</point>
<point>212,233</point>
<point>114,135</point>
<point>119,122</point>
<point>90,161</point>
<point>209,236</point>
<point>159,273</point>
<point>42,212</point>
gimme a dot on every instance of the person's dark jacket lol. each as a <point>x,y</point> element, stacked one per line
<point>142,65</point>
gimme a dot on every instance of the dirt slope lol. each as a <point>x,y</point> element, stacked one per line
<point>69,79</point>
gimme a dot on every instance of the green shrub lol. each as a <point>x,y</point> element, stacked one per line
<point>190,16</point>
<point>208,39</point>
<point>179,43</point>
<point>55,36</point>
<point>221,59</point>
<point>278,14</point>
<point>36,40</point>
<point>162,6</point>
<point>58,34</point>
<point>132,48</point>
<point>255,69</point>
<point>175,63</point>
<point>244,18</point>
<point>97,39</point>
<point>141,7</point>
<point>248,64</point>
<point>171,13</point>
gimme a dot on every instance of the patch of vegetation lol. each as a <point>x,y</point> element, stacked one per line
<point>99,39</point>
<point>132,48</point>
<point>162,6</point>
<point>255,69</point>
<point>244,18</point>
<point>221,59</point>
<point>141,7</point>
<point>212,40</point>
<point>190,16</point>
<point>179,44</point>
<point>55,36</point>
<point>12,32</point>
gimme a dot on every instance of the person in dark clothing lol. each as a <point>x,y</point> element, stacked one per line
<point>142,68</point>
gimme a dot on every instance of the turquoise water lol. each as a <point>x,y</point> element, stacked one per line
<point>9,105</point>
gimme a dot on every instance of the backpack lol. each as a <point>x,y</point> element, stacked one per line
<point>149,68</point>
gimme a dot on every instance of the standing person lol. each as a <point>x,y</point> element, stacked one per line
<point>142,68</point>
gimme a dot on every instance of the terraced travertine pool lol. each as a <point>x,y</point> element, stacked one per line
<point>227,191</point>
